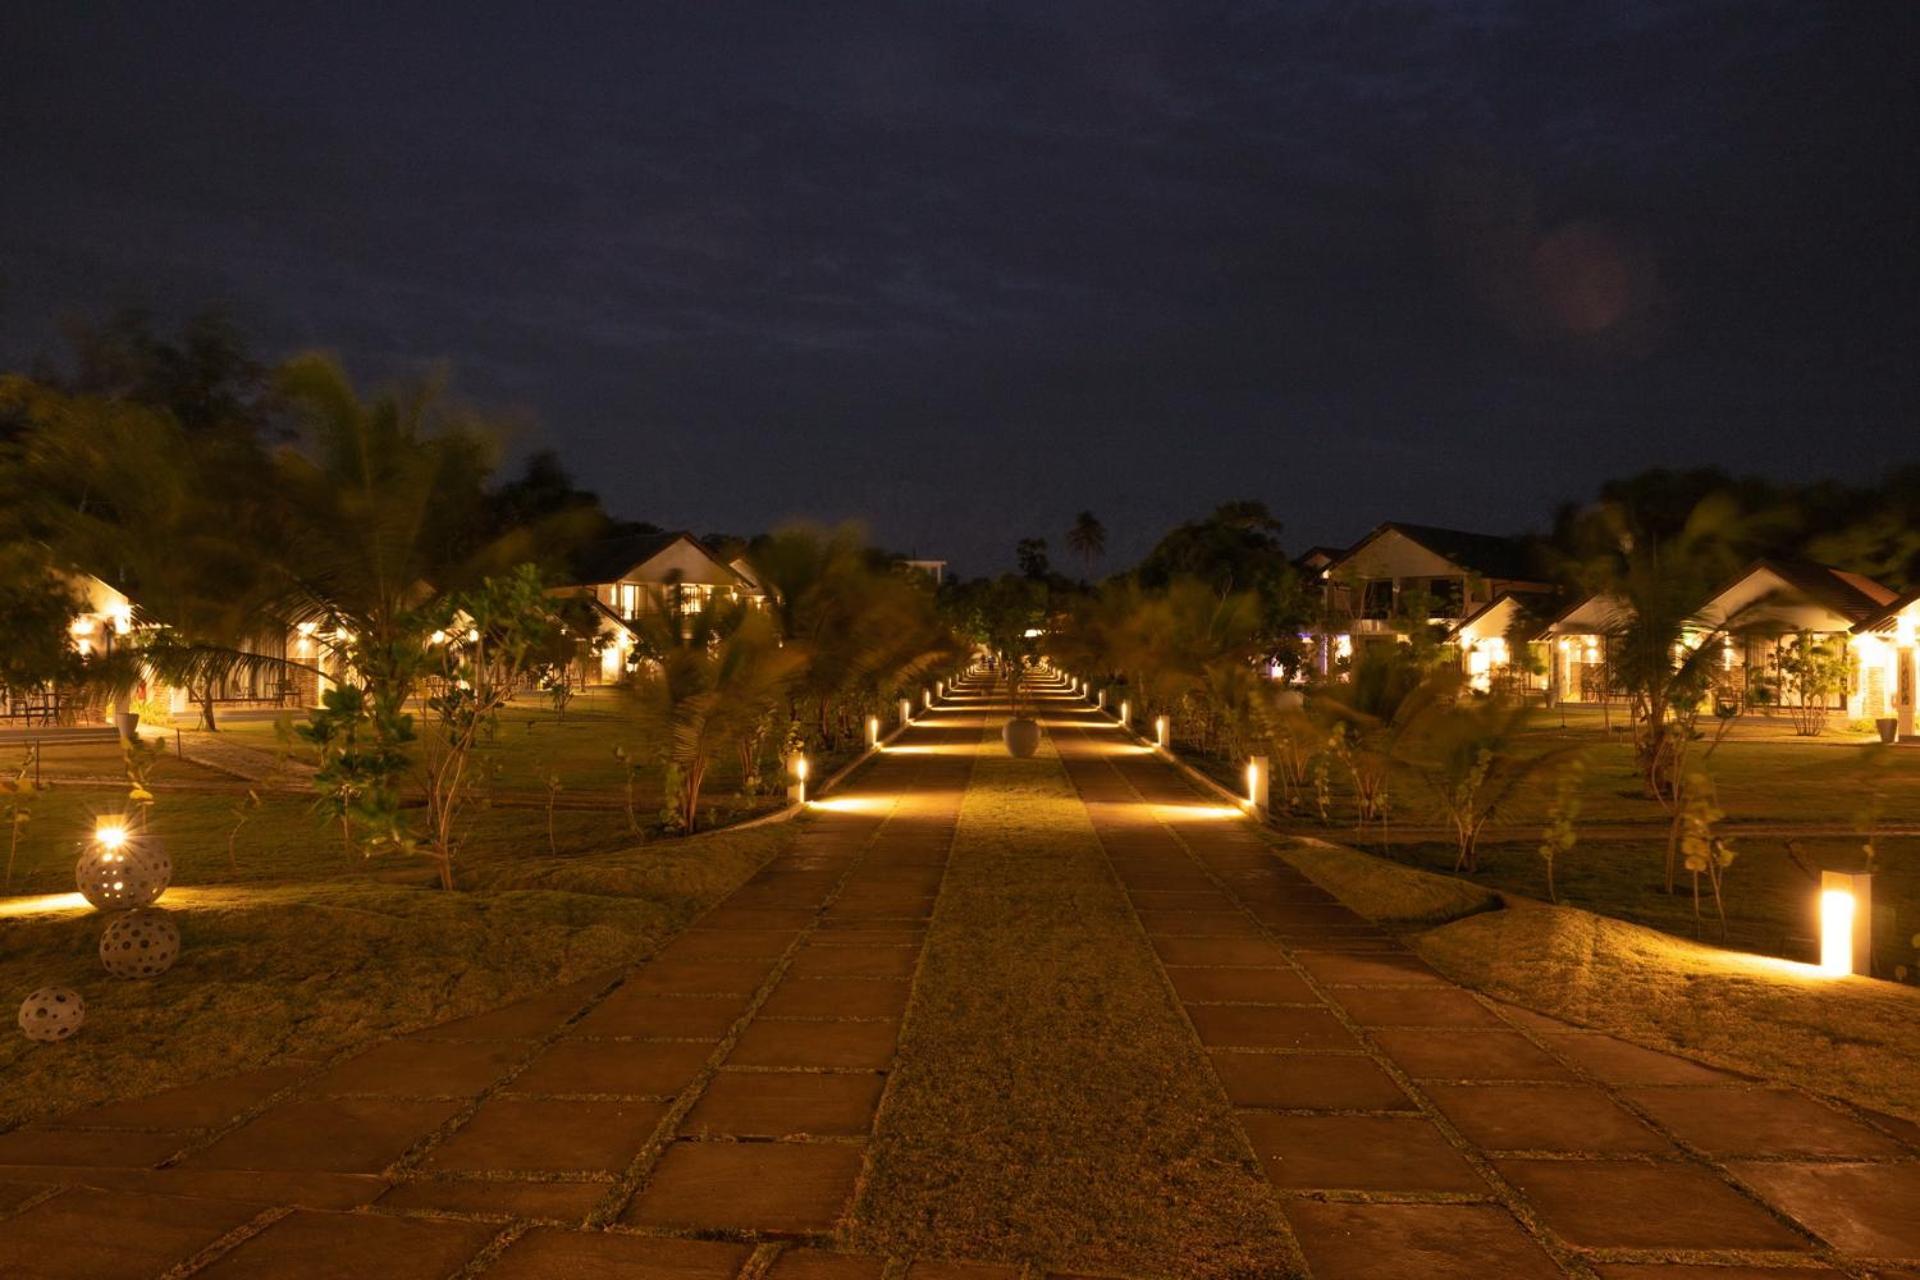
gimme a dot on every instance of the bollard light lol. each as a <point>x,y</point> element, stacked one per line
<point>1126,711</point>
<point>1258,784</point>
<point>797,790</point>
<point>906,712</point>
<point>1846,916</point>
<point>873,731</point>
<point>1100,701</point>
<point>1162,732</point>
<point>926,698</point>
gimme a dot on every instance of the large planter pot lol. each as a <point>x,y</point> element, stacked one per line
<point>1889,728</point>
<point>127,722</point>
<point>1022,736</point>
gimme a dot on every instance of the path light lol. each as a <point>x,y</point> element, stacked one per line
<point>1100,701</point>
<point>797,790</point>
<point>1162,732</point>
<point>873,731</point>
<point>926,698</point>
<point>1258,777</point>
<point>1846,929</point>
<point>1126,711</point>
<point>906,712</point>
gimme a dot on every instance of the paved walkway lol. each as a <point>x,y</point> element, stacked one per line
<point>706,1114</point>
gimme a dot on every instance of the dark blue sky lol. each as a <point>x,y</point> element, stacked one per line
<point>964,269</point>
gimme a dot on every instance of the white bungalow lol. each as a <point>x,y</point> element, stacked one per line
<point>1883,664</point>
<point>1770,604</point>
<point>632,577</point>
<point>1576,644</point>
<point>1486,643</point>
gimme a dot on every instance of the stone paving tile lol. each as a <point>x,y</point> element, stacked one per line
<point>732,915</point>
<point>776,1187</point>
<point>1632,1205</point>
<point>1308,1082</point>
<point>1869,1210</point>
<point>1269,1027</point>
<point>422,1068</point>
<point>836,998</point>
<point>782,1104</point>
<point>729,944</point>
<point>855,962</point>
<point>87,1234</point>
<point>326,1246</point>
<point>1249,986</point>
<point>209,1105</point>
<point>656,1068</point>
<point>347,1135</point>
<point>15,1194</point>
<point>644,1013</point>
<point>304,1190</point>
<point>1544,1118</point>
<point>1415,1007</point>
<point>1358,1153</point>
<point>1416,1242</point>
<point>548,1254</point>
<point>865,1046</point>
<point>1342,969</point>
<point>1751,1122</point>
<point>1617,1062</point>
<point>539,1136</point>
<point>818,1264</point>
<point>1682,1271</point>
<point>523,1020</point>
<point>1227,923</point>
<point>1438,1054</point>
<point>84,1147</point>
<point>702,977</point>
<point>499,1197</point>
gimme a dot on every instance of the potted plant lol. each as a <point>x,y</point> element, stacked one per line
<point>1022,732</point>
<point>1889,728</point>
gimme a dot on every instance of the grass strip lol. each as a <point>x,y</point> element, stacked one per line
<point>1051,1103</point>
<point>269,973</point>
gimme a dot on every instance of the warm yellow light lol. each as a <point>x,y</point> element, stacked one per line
<point>1836,932</point>
<point>110,835</point>
<point>44,904</point>
<point>800,768</point>
<point>1253,777</point>
<point>438,637</point>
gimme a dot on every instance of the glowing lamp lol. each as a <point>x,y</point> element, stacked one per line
<point>797,791</point>
<point>1162,731</point>
<point>110,834</point>
<point>906,711</point>
<point>1126,711</point>
<point>1258,784</point>
<point>873,731</point>
<point>1846,914</point>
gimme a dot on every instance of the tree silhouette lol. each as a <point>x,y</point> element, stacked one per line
<point>1088,538</point>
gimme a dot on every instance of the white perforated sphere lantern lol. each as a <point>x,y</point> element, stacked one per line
<point>142,943</point>
<point>124,872</point>
<point>52,1013</point>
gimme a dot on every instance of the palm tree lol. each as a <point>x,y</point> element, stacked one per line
<point>707,686</point>
<point>1087,538</point>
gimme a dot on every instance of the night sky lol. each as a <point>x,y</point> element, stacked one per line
<point>963,269</point>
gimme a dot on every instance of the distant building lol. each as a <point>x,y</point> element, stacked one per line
<point>631,578</point>
<point>935,569</point>
<point>1471,584</point>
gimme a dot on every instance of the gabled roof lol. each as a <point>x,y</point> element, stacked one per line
<point>1882,619</point>
<point>1484,554</point>
<point>1851,595</point>
<point>1506,601</point>
<point>611,559</point>
<point>1318,557</point>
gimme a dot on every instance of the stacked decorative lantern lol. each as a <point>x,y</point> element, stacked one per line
<point>123,874</point>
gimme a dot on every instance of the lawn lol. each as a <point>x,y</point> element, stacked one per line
<point>1051,1103</point>
<point>1767,781</point>
<point>305,955</point>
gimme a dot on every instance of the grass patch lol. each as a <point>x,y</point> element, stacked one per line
<point>270,972</point>
<point>1051,1104</point>
<point>1853,1038</point>
<point>1382,891</point>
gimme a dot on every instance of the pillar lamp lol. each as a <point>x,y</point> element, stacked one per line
<point>1126,712</point>
<point>1846,923</point>
<point>873,731</point>
<point>1162,732</point>
<point>906,712</point>
<point>797,789</point>
<point>1258,785</point>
